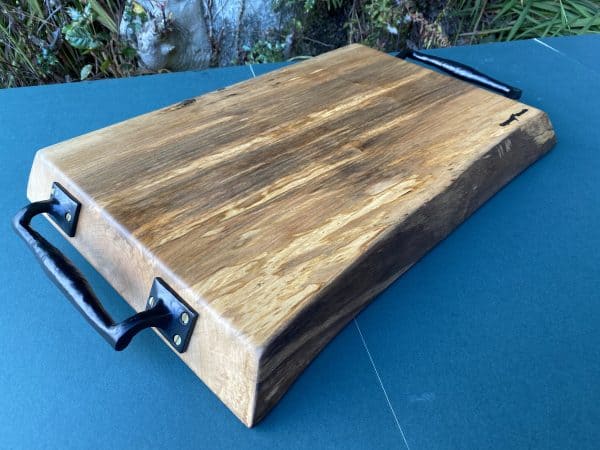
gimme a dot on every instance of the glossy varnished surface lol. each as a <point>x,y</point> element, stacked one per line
<point>262,202</point>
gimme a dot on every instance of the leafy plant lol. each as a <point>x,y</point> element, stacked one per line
<point>80,32</point>
<point>46,41</point>
<point>264,52</point>
<point>53,41</point>
<point>394,24</point>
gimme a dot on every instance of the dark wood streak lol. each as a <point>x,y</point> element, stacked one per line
<point>287,354</point>
<point>181,104</point>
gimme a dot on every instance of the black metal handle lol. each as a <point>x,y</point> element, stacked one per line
<point>68,278</point>
<point>463,72</point>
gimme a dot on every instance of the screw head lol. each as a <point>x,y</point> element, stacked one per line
<point>184,318</point>
<point>177,340</point>
<point>151,301</point>
<point>68,216</point>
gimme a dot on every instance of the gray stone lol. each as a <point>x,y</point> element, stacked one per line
<point>192,34</point>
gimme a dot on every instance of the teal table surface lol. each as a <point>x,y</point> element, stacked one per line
<point>490,341</point>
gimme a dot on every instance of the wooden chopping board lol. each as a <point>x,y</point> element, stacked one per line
<point>278,207</point>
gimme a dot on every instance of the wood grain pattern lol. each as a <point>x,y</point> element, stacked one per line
<point>280,206</point>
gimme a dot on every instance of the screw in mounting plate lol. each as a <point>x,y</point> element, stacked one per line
<point>151,302</point>
<point>68,216</point>
<point>177,340</point>
<point>184,318</point>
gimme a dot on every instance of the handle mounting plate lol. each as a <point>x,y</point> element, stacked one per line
<point>183,318</point>
<point>68,213</point>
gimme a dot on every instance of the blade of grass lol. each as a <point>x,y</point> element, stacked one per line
<point>549,27</point>
<point>35,8</point>
<point>519,21</point>
<point>592,20</point>
<point>578,9</point>
<point>505,8</point>
<point>103,17</point>
<point>563,14</point>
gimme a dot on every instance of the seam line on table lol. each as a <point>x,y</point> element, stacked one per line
<point>387,398</point>
<point>566,56</point>
<point>548,46</point>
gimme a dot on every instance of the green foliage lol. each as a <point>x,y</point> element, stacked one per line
<point>46,60</point>
<point>80,32</point>
<point>321,25</point>
<point>309,5</point>
<point>104,16</point>
<point>395,24</point>
<point>506,20</point>
<point>379,23</point>
<point>45,41</point>
<point>264,52</point>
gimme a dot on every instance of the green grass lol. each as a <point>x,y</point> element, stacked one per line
<point>481,20</point>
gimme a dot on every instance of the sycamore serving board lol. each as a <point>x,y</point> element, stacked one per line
<point>278,207</point>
